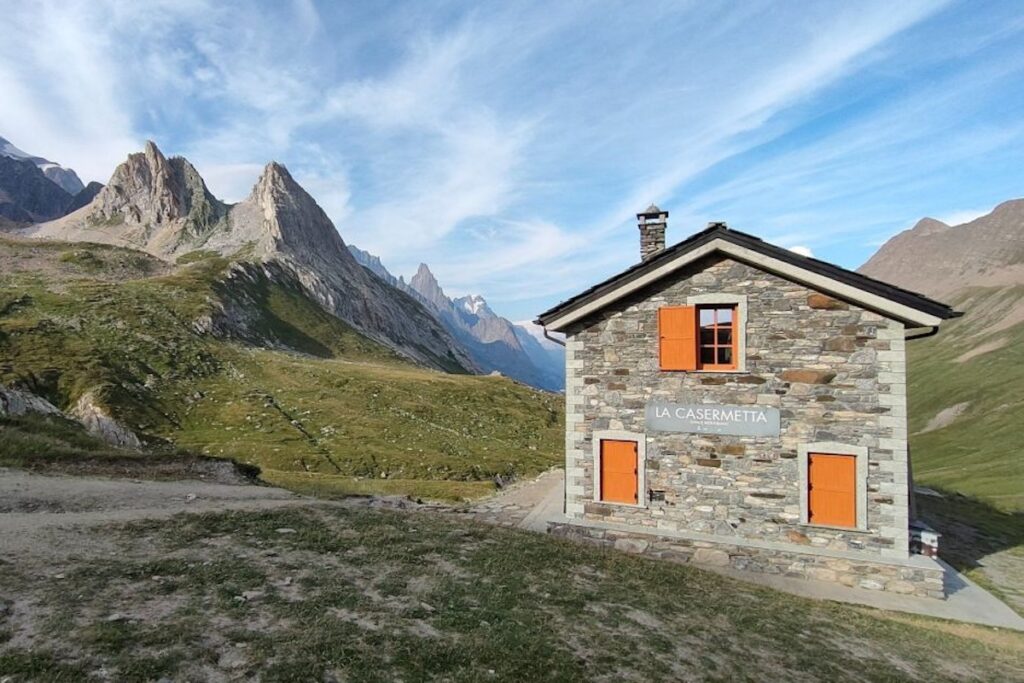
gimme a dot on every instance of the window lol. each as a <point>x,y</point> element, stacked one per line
<point>717,342</point>
<point>707,336</point>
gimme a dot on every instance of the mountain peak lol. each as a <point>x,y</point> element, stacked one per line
<point>425,284</point>
<point>152,151</point>
<point>927,226</point>
<point>938,260</point>
<point>65,178</point>
<point>474,304</point>
<point>151,202</point>
<point>276,175</point>
<point>1009,208</point>
<point>274,170</point>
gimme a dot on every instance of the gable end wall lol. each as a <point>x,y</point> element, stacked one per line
<point>745,488</point>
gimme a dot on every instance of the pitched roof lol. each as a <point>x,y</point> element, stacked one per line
<point>909,307</point>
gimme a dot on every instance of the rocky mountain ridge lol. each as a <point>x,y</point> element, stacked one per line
<point>939,259</point>
<point>26,195</point>
<point>162,206</point>
<point>495,343</point>
<point>964,383</point>
<point>65,178</point>
<point>34,189</point>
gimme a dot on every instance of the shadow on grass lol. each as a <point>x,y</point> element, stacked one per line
<point>971,529</point>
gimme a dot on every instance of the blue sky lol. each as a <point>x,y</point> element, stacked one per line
<point>510,144</point>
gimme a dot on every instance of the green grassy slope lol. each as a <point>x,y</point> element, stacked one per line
<point>344,413</point>
<point>979,452</point>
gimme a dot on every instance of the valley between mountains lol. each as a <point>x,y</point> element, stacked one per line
<point>151,331</point>
<point>161,319</point>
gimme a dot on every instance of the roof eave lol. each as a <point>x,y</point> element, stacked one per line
<point>908,307</point>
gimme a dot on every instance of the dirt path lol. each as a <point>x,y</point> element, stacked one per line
<point>41,515</point>
<point>526,504</point>
<point>38,513</point>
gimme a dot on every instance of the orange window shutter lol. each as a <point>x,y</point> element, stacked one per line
<point>832,498</point>
<point>677,333</point>
<point>619,471</point>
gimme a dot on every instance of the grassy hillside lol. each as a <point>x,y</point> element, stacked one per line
<point>976,362</point>
<point>182,354</point>
<point>367,595</point>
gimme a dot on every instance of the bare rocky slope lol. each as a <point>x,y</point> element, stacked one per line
<point>26,195</point>
<point>940,260</point>
<point>162,206</point>
<point>35,189</point>
<point>966,406</point>
<point>65,178</point>
<point>494,343</point>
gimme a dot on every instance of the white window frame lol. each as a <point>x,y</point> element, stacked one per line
<point>641,464</point>
<point>740,302</point>
<point>861,483</point>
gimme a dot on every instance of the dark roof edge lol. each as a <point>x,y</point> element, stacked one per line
<point>865,283</point>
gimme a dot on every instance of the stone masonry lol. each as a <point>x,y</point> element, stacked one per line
<point>835,371</point>
<point>918,576</point>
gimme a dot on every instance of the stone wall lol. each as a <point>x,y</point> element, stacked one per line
<point>836,373</point>
<point>921,577</point>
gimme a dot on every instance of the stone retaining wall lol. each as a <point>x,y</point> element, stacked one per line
<point>895,578</point>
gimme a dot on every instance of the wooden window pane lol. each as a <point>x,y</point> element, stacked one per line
<point>716,337</point>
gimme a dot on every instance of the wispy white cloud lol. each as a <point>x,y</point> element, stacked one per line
<point>510,144</point>
<point>962,216</point>
<point>61,97</point>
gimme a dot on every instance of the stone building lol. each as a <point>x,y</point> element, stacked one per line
<point>732,402</point>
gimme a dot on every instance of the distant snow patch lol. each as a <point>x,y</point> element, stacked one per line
<point>473,304</point>
<point>9,150</point>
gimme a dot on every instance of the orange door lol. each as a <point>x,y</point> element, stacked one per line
<point>832,491</point>
<point>618,471</point>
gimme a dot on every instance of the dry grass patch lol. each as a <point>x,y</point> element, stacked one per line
<point>347,593</point>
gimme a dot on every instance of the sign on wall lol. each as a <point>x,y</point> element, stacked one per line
<point>711,418</point>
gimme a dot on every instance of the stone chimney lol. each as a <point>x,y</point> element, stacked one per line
<point>652,222</point>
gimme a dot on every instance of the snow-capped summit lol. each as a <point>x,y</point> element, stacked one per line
<point>66,178</point>
<point>474,303</point>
